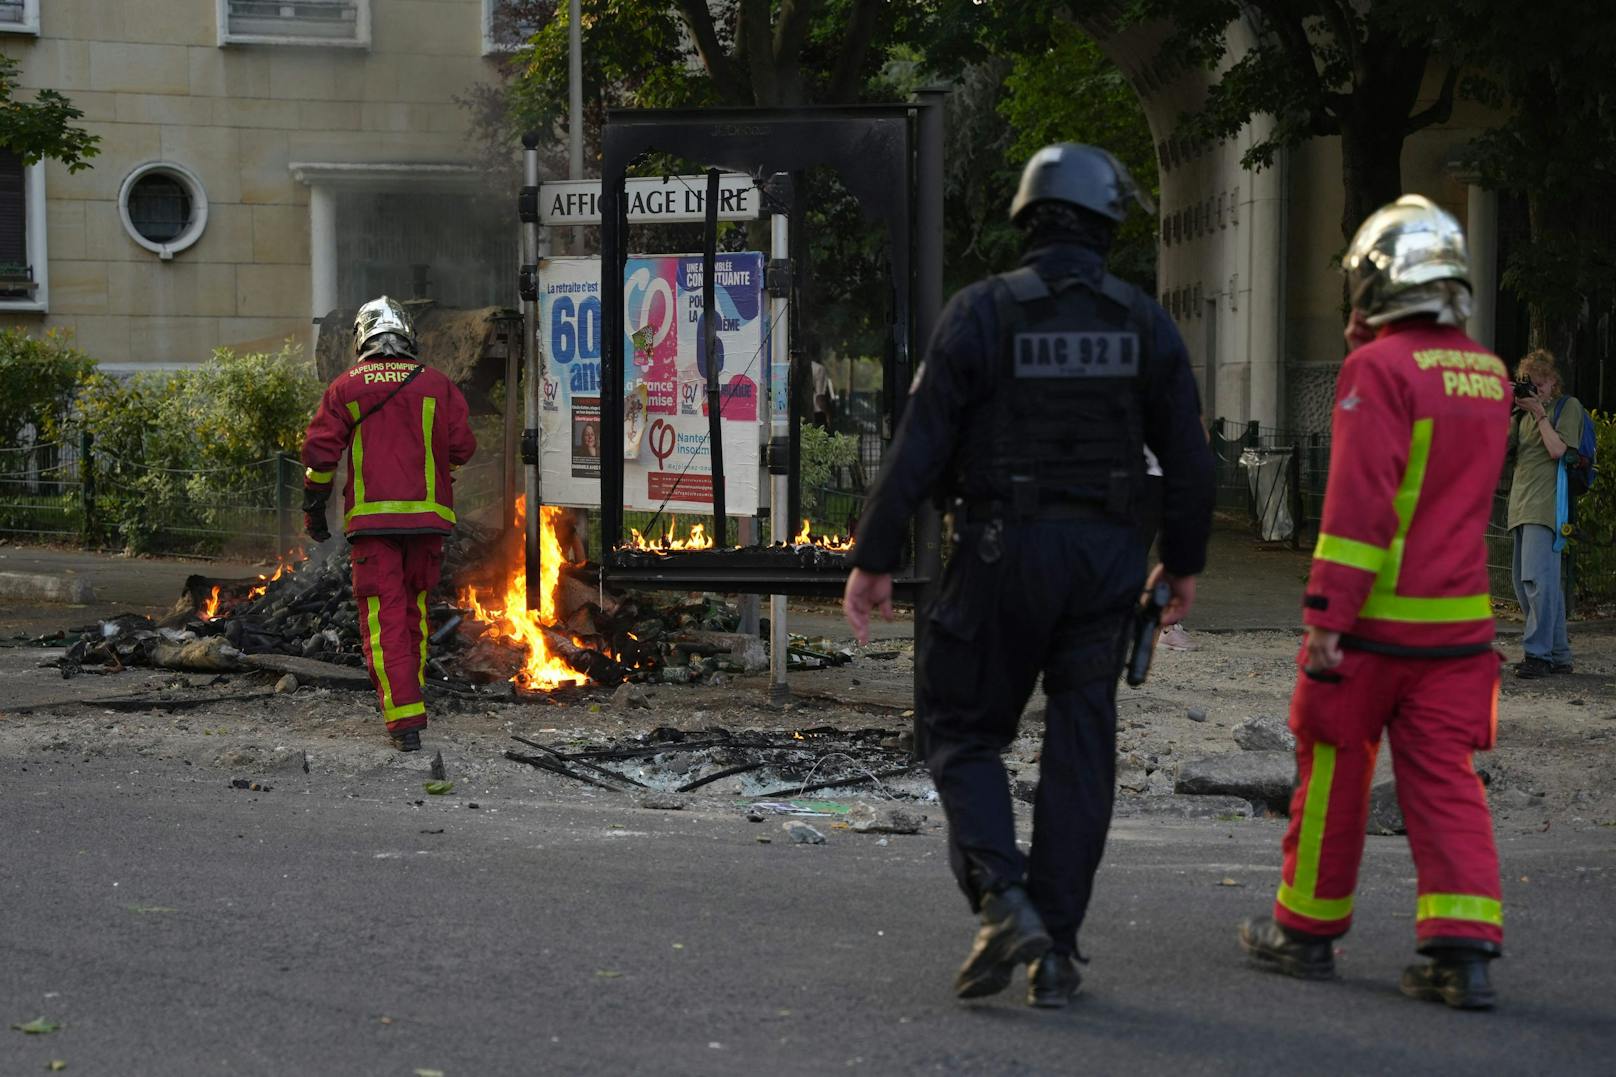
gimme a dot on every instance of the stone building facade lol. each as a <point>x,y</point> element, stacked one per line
<point>262,162</point>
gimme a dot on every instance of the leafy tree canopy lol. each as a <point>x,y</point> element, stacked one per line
<point>44,127</point>
<point>1352,68</point>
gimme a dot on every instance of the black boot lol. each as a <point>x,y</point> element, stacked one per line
<point>1012,933</point>
<point>1456,975</point>
<point>407,741</point>
<point>1052,980</point>
<point>1270,946</point>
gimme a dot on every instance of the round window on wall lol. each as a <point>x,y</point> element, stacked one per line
<point>163,207</point>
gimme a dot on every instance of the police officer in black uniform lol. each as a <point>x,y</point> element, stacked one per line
<point>1029,417</point>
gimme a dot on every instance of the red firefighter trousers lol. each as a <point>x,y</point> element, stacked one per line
<point>1436,712</point>
<point>391,577</point>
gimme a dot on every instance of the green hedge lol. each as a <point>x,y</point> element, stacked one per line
<point>1593,547</point>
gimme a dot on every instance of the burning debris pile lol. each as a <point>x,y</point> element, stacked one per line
<point>480,630</point>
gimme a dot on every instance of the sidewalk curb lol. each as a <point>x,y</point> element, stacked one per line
<point>72,590</point>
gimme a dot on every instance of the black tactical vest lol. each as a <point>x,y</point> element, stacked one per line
<point>1061,433</point>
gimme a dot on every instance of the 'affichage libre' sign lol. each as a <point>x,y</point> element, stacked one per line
<point>654,200</point>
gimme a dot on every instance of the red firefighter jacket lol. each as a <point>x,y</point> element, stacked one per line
<point>399,456</point>
<point>1421,415</point>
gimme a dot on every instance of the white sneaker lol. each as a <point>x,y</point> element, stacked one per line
<point>1175,638</point>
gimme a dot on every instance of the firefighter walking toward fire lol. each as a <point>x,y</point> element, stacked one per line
<point>1399,623</point>
<point>403,426</point>
<point>1030,414</point>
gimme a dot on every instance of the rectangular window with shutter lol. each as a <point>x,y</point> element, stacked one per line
<point>16,279</point>
<point>295,22</point>
<point>19,16</point>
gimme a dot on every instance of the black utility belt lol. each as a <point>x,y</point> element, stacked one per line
<point>982,512</point>
<point>1396,650</point>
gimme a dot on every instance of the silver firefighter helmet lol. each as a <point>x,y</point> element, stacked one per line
<point>384,327</point>
<point>1082,175</point>
<point>1402,249</point>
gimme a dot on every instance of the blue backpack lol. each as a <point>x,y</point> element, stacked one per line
<point>1580,473</point>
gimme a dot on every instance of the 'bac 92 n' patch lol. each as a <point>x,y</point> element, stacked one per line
<point>1076,355</point>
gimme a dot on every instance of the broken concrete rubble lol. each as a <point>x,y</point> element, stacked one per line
<point>1264,733</point>
<point>1265,777</point>
<point>866,818</point>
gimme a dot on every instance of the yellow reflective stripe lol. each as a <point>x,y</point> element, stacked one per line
<point>1483,910</point>
<point>317,476</point>
<point>1444,610</point>
<point>429,407</point>
<point>1299,895</point>
<point>1349,552</point>
<point>1384,603</point>
<point>378,664</point>
<point>357,459</point>
<point>420,601</point>
<point>1314,908</point>
<point>408,710</point>
<point>373,508</point>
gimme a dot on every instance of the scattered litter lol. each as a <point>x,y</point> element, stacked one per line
<point>438,789</point>
<point>1196,714</point>
<point>439,771</point>
<point>663,801</point>
<point>39,1026</point>
<point>797,807</point>
<point>1226,881</point>
<point>247,783</point>
<point>286,685</point>
<point>803,834</point>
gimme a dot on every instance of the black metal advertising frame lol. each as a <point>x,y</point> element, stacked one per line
<point>890,159</point>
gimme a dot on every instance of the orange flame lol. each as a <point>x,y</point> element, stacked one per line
<point>697,539</point>
<point>283,563</point>
<point>509,617</point>
<point>210,608</point>
<point>805,537</point>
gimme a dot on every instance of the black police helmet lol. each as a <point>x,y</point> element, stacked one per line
<point>1084,176</point>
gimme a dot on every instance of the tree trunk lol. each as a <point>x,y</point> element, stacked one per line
<point>1371,168</point>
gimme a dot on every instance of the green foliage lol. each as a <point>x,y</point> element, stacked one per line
<point>1556,144</point>
<point>196,450</point>
<point>1069,92</point>
<point>822,454</point>
<point>1593,549</point>
<point>42,128</point>
<point>41,375</point>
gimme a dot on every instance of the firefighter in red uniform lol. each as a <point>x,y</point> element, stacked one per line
<point>1399,621</point>
<point>403,426</point>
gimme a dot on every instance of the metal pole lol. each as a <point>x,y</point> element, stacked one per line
<point>780,431</point>
<point>533,484</point>
<point>928,305</point>
<point>575,105</point>
<point>715,383</point>
<point>283,505</point>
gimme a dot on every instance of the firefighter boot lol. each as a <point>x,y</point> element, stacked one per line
<point>407,741</point>
<point>1456,975</point>
<point>1052,980</point>
<point>1011,934</point>
<point>1270,946</point>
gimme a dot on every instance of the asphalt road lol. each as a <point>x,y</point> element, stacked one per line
<point>177,926</point>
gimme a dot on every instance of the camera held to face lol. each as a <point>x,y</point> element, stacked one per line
<point>1524,387</point>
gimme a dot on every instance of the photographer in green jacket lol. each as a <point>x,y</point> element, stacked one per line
<point>1542,430</point>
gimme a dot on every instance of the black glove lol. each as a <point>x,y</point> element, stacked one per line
<point>314,513</point>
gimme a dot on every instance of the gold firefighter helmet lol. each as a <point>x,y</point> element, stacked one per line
<point>1401,249</point>
<point>384,327</point>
